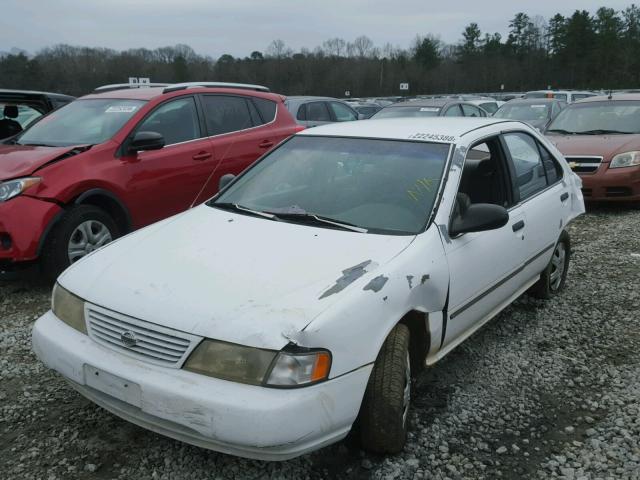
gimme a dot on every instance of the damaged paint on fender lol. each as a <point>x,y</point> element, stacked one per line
<point>376,284</point>
<point>349,276</point>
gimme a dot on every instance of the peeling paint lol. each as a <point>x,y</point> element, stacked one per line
<point>424,279</point>
<point>376,284</point>
<point>349,276</point>
<point>410,281</point>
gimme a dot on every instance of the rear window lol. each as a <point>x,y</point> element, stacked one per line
<point>267,109</point>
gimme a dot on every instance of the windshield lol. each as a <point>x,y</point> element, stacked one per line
<point>525,112</point>
<point>81,122</point>
<point>383,186</point>
<point>593,117</point>
<point>395,112</point>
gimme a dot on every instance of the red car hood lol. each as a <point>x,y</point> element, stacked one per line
<point>601,145</point>
<point>22,160</point>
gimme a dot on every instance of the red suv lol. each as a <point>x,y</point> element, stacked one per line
<point>117,160</point>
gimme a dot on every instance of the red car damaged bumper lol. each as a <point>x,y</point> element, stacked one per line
<point>23,222</point>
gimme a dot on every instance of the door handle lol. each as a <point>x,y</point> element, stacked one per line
<point>201,156</point>
<point>564,196</point>
<point>518,226</point>
<point>266,144</point>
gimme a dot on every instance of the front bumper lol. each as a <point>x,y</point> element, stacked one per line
<point>612,184</point>
<point>23,222</point>
<point>244,420</point>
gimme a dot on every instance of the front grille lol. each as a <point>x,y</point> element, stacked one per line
<point>143,340</point>
<point>584,164</point>
<point>618,192</point>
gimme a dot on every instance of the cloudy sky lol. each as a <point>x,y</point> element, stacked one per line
<point>238,27</point>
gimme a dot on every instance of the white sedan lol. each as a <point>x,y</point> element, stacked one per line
<point>300,300</point>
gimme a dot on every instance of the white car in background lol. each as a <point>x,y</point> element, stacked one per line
<point>302,297</point>
<point>568,96</point>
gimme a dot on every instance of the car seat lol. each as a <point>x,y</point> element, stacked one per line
<point>8,126</point>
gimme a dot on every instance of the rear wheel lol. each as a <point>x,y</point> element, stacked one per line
<point>80,231</point>
<point>385,407</point>
<point>553,278</point>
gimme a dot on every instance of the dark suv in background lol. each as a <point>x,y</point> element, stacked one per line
<point>115,161</point>
<point>20,108</point>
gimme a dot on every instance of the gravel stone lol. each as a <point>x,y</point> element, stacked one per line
<point>557,380</point>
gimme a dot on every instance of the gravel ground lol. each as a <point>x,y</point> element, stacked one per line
<point>546,390</point>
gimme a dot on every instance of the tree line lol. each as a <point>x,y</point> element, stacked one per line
<point>586,50</point>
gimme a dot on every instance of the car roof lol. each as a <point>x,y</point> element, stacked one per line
<point>150,93</point>
<point>614,97</point>
<point>530,101</point>
<point>429,128</point>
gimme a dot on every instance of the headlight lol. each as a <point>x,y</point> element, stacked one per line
<point>256,366</point>
<point>627,159</point>
<point>68,308</point>
<point>13,188</point>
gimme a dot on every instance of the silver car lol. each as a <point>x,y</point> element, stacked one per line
<point>314,111</point>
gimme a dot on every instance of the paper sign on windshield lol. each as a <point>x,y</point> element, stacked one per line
<point>121,109</point>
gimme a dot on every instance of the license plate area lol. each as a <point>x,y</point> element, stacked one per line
<point>113,385</point>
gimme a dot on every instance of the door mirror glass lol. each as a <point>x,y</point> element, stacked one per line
<point>225,180</point>
<point>146,141</point>
<point>477,217</point>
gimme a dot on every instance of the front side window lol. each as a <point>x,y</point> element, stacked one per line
<point>471,110</point>
<point>82,122</point>
<point>383,186</point>
<point>529,170</point>
<point>176,121</point>
<point>225,114</point>
<point>342,113</point>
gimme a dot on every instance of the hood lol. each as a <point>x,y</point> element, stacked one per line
<point>602,145</point>
<point>231,277</point>
<point>22,160</point>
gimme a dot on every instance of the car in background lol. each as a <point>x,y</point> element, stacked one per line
<point>538,112</point>
<point>600,138</point>
<point>436,107</point>
<point>568,96</point>
<point>20,108</point>
<point>489,105</point>
<point>303,299</point>
<point>365,109</point>
<point>112,162</point>
<point>313,111</point>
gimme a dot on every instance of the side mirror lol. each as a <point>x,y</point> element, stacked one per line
<point>225,180</point>
<point>146,141</point>
<point>479,218</point>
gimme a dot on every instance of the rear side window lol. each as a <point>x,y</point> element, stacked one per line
<point>316,112</point>
<point>551,166</point>
<point>529,170</point>
<point>225,114</point>
<point>267,109</point>
<point>177,121</point>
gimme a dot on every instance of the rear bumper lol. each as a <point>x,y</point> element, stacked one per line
<point>23,222</point>
<point>612,185</point>
<point>244,420</point>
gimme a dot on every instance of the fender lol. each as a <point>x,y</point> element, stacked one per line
<point>79,200</point>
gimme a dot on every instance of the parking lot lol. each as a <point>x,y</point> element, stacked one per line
<point>547,389</point>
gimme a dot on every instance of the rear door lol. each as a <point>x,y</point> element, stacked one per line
<point>239,133</point>
<point>543,195</point>
<point>166,181</point>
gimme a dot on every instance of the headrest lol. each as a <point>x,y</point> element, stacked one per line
<point>11,111</point>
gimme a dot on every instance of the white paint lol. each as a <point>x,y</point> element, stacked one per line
<point>255,282</point>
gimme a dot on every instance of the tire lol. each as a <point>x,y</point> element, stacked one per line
<point>384,411</point>
<point>553,278</point>
<point>78,222</point>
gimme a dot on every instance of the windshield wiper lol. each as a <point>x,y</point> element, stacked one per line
<point>241,209</point>
<point>559,130</point>
<point>600,131</point>
<point>318,219</point>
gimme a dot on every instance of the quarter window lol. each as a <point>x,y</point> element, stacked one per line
<point>342,112</point>
<point>529,170</point>
<point>551,166</point>
<point>176,121</point>
<point>267,109</point>
<point>225,114</point>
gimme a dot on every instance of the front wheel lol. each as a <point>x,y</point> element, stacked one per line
<point>385,407</point>
<point>553,278</point>
<point>80,231</point>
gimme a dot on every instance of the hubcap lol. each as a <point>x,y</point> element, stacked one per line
<point>557,266</point>
<point>407,392</point>
<point>87,237</point>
